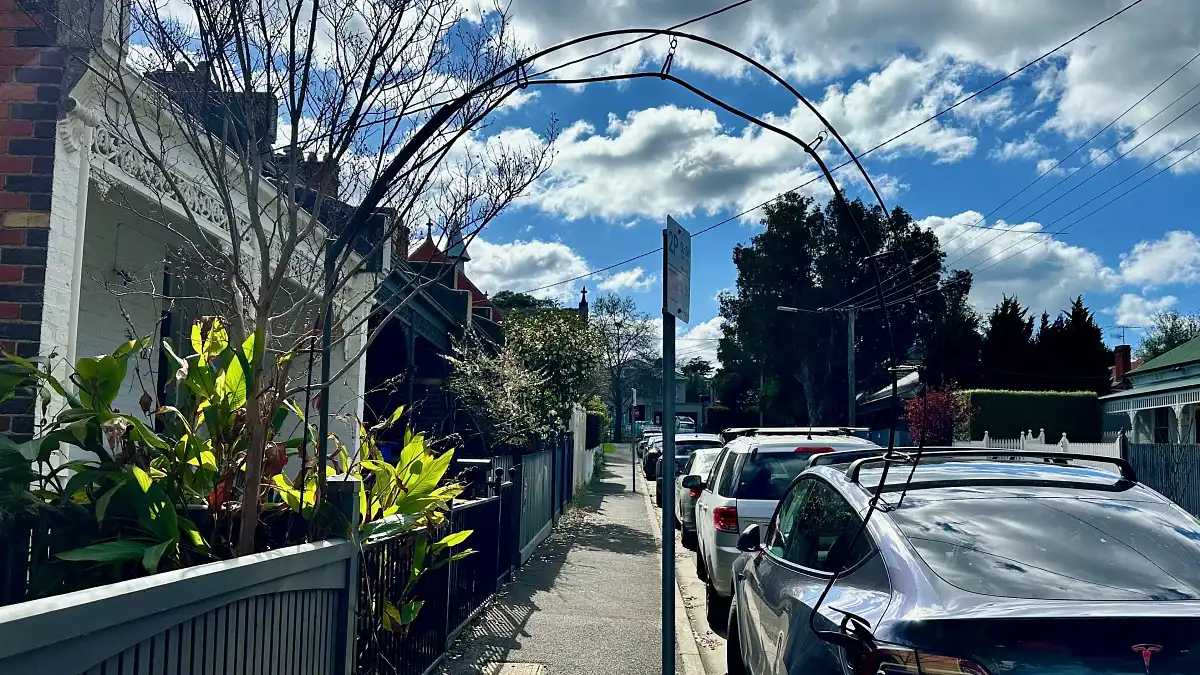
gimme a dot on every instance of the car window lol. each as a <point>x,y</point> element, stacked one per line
<point>701,462</point>
<point>686,448</point>
<point>765,475</point>
<point>1057,548</point>
<point>822,536</point>
<point>785,517</point>
<point>724,473</point>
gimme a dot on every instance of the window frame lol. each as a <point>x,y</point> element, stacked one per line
<point>726,460</point>
<point>812,571</point>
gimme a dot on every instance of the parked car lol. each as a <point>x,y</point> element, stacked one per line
<point>700,464</point>
<point>749,478</point>
<point>645,441</point>
<point>980,565</point>
<point>685,445</point>
<point>650,457</point>
<point>684,424</point>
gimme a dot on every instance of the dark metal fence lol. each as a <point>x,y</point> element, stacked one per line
<point>1171,469</point>
<point>452,594</point>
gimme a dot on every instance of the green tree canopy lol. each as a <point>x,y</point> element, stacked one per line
<point>520,389</point>
<point>1167,331</point>
<point>522,303</point>
<point>1007,353</point>
<point>812,256</point>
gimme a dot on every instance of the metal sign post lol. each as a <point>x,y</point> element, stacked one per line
<point>677,270</point>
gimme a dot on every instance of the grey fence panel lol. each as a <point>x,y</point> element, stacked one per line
<point>283,611</point>
<point>537,499</point>
<point>1171,469</point>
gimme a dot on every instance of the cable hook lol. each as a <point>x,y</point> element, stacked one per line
<point>666,68</point>
<point>820,139</point>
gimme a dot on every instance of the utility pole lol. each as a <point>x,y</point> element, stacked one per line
<point>851,316</point>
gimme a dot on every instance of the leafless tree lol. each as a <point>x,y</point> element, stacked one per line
<point>267,128</point>
<point>627,337</point>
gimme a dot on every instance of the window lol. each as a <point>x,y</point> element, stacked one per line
<point>785,519</point>
<point>724,474</point>
<point>766,475</point>
<point>823,527</point>
<point>1162,425</point>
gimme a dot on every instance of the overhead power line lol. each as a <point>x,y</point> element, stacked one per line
<point>849,162</point>
<point>907,271</point>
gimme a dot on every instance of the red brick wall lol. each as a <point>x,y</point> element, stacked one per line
<point>31,80</point>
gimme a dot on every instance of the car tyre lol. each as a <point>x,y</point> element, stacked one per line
<point>688,539</point>
<point>657,498</point>
<point>701,568</point>
<point>733,645</point>
<point>716,608</point>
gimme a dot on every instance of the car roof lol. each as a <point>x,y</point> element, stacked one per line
<point>952,477</point>
<point>698,437</point>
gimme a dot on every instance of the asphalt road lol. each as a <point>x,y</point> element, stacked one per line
<point>587,602</point>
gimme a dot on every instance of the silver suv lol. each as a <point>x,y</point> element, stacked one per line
<point>746,483</point>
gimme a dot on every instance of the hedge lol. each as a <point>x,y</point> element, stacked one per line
<point>1005,414</point>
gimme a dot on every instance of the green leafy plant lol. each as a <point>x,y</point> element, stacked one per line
<point>394,500</point>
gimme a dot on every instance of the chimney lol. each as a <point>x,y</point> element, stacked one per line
<point>400,243</point>
<point>1121,360</point>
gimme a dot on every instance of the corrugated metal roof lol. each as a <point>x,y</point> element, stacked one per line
<point>1187,352</point>
<point>1182,383</point>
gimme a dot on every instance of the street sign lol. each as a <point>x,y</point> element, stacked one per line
<point>678,271</point>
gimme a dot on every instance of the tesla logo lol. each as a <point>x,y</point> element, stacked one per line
<point>1147,651</point>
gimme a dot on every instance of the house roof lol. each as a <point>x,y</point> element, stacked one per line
<point>1187,352</point>
<point>1158,387</point>
<point>428,251</point>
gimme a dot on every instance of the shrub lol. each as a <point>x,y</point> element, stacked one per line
<point>1006,413</point>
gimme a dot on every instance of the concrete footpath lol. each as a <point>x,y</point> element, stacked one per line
<point>587,602</point>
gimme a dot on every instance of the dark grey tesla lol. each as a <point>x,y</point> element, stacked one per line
<point>981,566</point>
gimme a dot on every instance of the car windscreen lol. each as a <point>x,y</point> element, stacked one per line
<point>704,461</point>
<point>766,475</point>
<point>684,449</point>
<point>1056,548</point>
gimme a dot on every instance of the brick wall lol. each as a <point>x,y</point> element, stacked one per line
<point>31,80</point>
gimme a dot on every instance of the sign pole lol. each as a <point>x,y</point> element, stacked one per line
<point>677,303</point>
<point>668,464</point>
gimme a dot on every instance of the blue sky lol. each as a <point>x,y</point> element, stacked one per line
<point>629,154</point>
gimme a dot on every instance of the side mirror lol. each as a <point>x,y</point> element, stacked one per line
<point>750,540</point>
<point>693,482</point>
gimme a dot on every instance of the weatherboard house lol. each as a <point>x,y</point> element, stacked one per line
<point>1161,402</point>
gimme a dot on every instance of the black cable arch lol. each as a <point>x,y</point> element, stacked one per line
<point>518,71</point>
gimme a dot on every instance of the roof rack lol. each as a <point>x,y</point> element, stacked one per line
<point>801,431</point>
<point>1127,472</point>
<point>844,456</point>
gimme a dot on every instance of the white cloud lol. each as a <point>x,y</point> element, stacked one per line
<point>1171,260</point>
<point>635,279</point>
<point>692,341</point>
<point>1045,273</point>
<point>1085,85</point>
<point>1027,148</point>
<point>676,160</point>
<point>1049,166</point>
<point>1135,310</point>
<point>522,265</point>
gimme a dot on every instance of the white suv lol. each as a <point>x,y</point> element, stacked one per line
<point>746,483</point>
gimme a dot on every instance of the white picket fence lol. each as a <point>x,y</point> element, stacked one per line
<point>1037,443</point>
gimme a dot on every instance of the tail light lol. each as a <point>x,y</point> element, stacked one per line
<point>725,519</point>
<point>813,449</point>
<point>901,661</point>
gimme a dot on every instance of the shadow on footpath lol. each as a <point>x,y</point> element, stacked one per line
<point>498,631</point>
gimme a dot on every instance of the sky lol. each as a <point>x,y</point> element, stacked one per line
<point>631,153</point>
